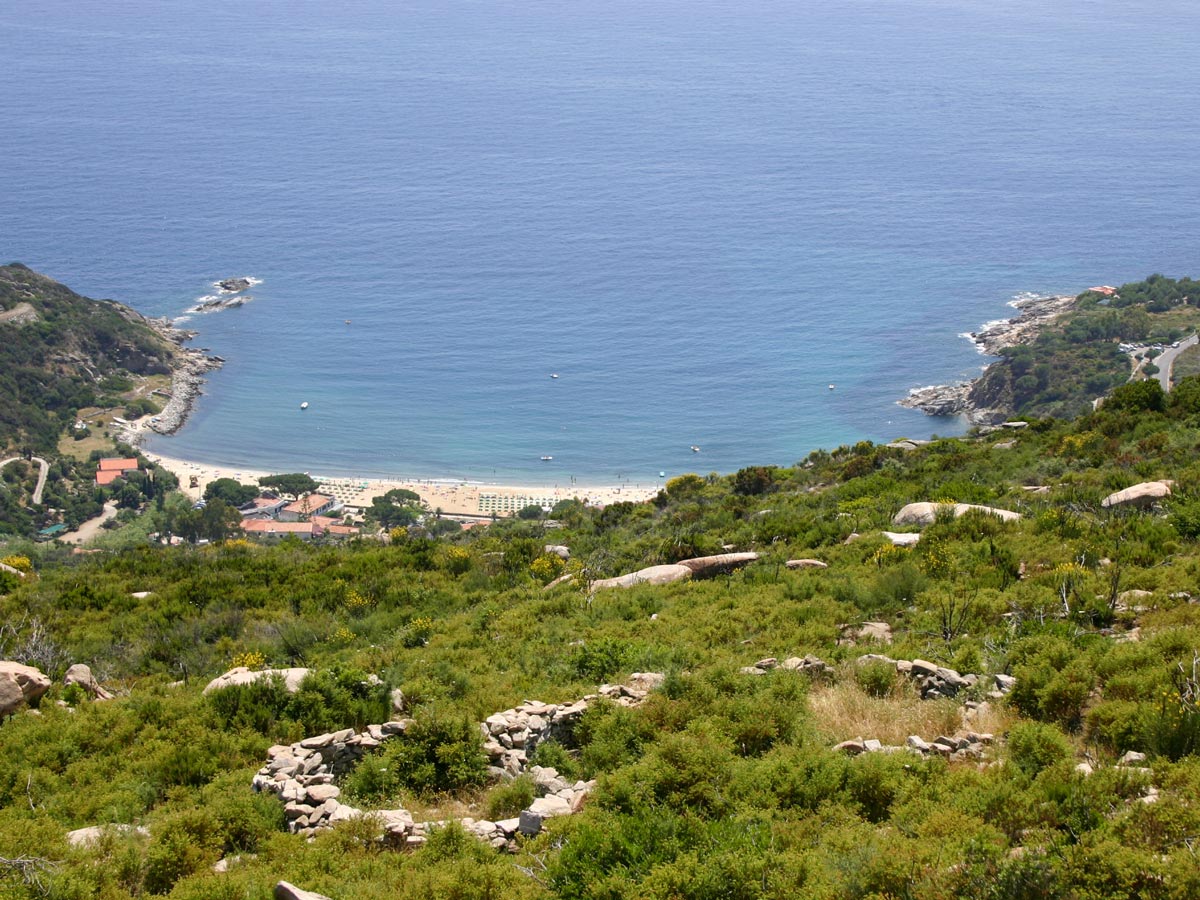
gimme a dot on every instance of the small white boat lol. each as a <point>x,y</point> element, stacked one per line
<point>695,449</point>
<point>662,474</point>
<point>547,458</point>
<point>553,374</point>
<point>304,405</point>
<point>831,387</point>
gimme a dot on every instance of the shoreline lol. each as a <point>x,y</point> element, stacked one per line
<point>451,496</point>
<point>459,498</point>
<point>462,497</point>
<point>187,378</point>
<point>1034,313</point>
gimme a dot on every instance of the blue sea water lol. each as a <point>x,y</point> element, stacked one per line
<point>699,214</point>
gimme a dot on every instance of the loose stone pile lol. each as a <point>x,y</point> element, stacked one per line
<point>302,774</point>
<point>809,665</point>
<point>936,681</point>
<point>960,746</point>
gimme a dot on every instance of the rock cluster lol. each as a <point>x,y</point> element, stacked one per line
<point>81,675</point>
<point>285,890</point>
<point>697,567</point>
<point>1139,495</point>
<point>959,746</point>
<point>241,675</point>
<point>20,685</point>
<point>934,681</point>
<point>808,664</point>
<point>927,513</point>
<point>879,632</point>
<point>302,774</point>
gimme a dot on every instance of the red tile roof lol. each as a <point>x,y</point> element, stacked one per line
<point>269,526</point>
<point>305,505</point>
<point>115,464</point>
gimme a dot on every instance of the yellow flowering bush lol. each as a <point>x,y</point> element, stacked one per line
<point>546,567</point>
<point>251,659</point>
<point>20,563</point>
<point>356,602</point>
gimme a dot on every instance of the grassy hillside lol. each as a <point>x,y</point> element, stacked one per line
<point>724,783</point>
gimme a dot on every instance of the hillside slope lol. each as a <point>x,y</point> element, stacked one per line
<point>61,352</point>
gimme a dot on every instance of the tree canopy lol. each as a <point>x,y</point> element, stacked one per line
<point>295,483</point>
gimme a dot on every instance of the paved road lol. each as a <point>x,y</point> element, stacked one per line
<point>44,470</point>
<point>1166,360</point>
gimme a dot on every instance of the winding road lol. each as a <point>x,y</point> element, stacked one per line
<point>1166,361</point>
<point>44,470</point>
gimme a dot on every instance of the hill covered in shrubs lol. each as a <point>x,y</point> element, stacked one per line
<point>953,706</point>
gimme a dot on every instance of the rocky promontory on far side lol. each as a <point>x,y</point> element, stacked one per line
<point>191,365</point>
<point>988,399</point>
<point>99,353</point>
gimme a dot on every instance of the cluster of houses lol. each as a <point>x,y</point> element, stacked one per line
<point>307,518</point>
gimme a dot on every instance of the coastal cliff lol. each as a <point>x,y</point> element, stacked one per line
<point>990,398</point>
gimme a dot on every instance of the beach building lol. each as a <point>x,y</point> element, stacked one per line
<point>262,508</point>
<point>270,530</point>
<point>112,468</point>
<point>307,507</point>
<point>508,504</point>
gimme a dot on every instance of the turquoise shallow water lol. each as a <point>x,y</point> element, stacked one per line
<point>698,214</point>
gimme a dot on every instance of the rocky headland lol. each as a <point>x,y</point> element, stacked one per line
<point>187,377</point>
<point>972,398</point>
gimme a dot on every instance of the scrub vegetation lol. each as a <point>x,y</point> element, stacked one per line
<point>722,784</point>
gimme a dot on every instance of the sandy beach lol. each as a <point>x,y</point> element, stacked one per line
<point>451,497</point>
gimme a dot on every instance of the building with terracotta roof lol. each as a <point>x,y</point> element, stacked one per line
<point>113,468</point>
<point>307,507</point>
<point>269,529</point>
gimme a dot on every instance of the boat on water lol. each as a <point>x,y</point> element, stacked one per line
<point>547,458</point>
<point>695,449</point>
<point>304,405</point>
<point>553,374</point>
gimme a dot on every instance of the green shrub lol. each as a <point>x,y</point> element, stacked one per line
<point>509,799</point>
<point>1033,746</point>
<point>438,753</point>
<point>876,678</point>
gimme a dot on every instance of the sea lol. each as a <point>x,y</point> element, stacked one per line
<point>744,227</point>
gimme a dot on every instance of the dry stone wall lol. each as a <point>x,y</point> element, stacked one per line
<point>302,774</point>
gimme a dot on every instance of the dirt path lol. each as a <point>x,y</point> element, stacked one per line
<point>91,527</point>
